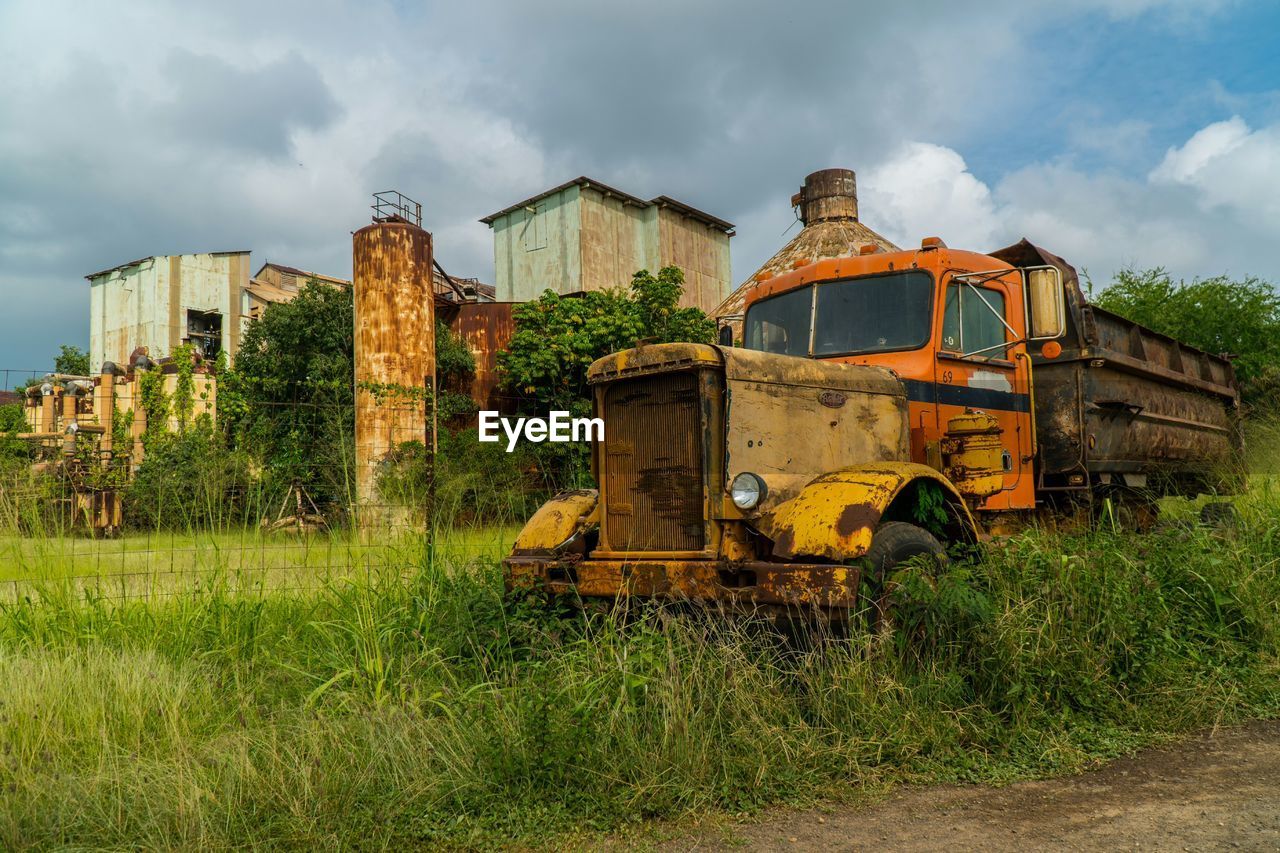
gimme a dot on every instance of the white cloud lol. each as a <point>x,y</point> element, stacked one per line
<point>1183,165</point>
<point>1233,172</point>
<point>926,190</point>
<point>1208,207</point>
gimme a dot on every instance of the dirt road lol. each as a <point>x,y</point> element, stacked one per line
<point>1215,791</point>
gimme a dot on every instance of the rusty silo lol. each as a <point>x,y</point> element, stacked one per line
<point>394,342</point>
<point>827,205</point>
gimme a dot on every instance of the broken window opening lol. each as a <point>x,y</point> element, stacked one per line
<point>204,331</point>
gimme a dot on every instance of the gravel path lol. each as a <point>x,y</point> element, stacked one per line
<point>1215,791</point>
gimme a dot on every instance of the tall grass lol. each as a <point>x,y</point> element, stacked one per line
<point>379,711</point>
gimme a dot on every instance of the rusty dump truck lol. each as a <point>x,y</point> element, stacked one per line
<point>880,406</point>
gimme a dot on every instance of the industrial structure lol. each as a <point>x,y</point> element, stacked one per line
<point>275,283</point>
<point>92,429</point>
<point>394,343</point>
<point>584,235</point>
<point>827,207</point>
<point>164,301</point>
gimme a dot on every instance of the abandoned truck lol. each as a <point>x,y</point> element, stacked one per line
<point>880,407</point>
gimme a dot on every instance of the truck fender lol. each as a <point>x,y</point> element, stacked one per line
<point>836,514</point>
<point>556,523</point>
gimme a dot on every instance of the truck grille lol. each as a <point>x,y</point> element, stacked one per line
<point>653,464</point>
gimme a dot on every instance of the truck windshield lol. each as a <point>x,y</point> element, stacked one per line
<point>878,313</point>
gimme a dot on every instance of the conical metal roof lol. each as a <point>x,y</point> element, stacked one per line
<point>828,204</point>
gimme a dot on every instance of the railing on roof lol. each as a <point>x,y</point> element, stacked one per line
<point>390,204</point>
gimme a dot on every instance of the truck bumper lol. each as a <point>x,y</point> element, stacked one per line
<point>752,583</point>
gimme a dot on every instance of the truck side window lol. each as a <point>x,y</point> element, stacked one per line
<point>780,324</point>
<point>969,325</point>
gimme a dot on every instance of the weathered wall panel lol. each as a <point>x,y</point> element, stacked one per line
<point>145,304</point>
<point>537,248</point>
<point>586,236</point>
<point>701,251</point>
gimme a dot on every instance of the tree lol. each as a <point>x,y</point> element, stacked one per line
<point>72,361</point>
<point>12,422</point>
<point>290,399</point>
<point>557,337</point>
<point>1218,315</point>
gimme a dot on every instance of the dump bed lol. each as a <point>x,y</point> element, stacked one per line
<point>1125,405</point>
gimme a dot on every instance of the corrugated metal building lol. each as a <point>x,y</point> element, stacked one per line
<point>584,235</point>
<point>292,279</point>
<point>275,283</point>
<point>164,301</point>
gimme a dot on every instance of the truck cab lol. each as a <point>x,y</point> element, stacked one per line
<point>952,325</point>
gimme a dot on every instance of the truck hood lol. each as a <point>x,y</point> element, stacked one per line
<point>746,365</point>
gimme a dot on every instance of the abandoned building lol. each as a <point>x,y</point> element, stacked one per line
<point>584,235</point>
<point>164,301</point>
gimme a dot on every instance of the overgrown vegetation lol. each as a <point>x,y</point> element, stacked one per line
<point>72,361</point>
<point>380,712</point>
<point>291,398</point>
<point>557,337</point>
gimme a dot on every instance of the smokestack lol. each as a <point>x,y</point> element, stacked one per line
<point>828,207</point>
<point>828,195</point>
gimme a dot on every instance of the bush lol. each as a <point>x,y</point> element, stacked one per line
<point>476,483</point>
<point>557,337</point>
<point>191,479</point>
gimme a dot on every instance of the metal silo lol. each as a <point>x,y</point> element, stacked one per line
<point>394,342</point>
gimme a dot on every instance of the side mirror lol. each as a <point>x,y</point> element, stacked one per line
<point>726,335</point>
<point>1047,303</point>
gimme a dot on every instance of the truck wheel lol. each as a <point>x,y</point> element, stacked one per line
<point>894,543</point>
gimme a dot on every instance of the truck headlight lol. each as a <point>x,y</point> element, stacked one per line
<point>747,490</point>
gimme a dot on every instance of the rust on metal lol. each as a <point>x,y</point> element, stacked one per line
<point>828,209</point>
<point>394,345</point>
<point>653,478</point>
<point>486,328</point>
<point>750,582</point>
<point>556,522</point>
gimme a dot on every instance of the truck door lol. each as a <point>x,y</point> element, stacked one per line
<point>980,367</point>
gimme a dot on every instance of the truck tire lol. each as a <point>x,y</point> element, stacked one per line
<point>894,543</point>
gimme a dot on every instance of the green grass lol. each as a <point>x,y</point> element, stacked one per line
<point>141,559</point>
<point>412,704</point>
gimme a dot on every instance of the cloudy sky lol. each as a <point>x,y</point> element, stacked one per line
<point>1115,132</point>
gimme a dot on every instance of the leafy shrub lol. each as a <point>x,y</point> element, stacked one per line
<point>192,479</point>
<point>476,483</point>
<point>557,337</point>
